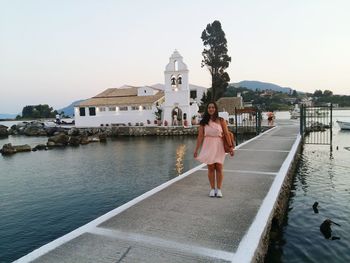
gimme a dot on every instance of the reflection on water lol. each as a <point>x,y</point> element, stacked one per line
<point>317,226</point>
<point>46,194</point>
<point>180,154</point>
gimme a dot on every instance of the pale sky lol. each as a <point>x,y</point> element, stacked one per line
<point>59,51</point>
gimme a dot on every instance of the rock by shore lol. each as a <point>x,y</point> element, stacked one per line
<point>57,136</point>
<point>34,128</point>
<point>8,148</point>
<point>62,137</point>
<point>40,147</point>
<point>3,131</point>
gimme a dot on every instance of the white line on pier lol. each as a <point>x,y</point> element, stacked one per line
<point>250,242</point>
<point>164,243</point>
<point>249,172</point>
<point>263,150</point>
<point>277,139</point>
<point>245,171</point>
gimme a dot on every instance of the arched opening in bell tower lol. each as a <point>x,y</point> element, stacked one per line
<point>179,79</point>
<point>175,83</point>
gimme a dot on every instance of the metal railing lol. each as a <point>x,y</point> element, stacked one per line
<point>316,124</point>
<point>245,124</point>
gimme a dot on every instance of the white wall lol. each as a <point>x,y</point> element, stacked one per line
<point>180,97</point>
<point>146,91</point>
<point>200,92</point>
<point>113,117</point>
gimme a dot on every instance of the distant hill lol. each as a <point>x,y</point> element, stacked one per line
<point>258,85</point>
<point>7,116</point>
<point>69,110</point>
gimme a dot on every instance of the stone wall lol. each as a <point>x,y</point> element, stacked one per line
<point>168,130</point>
<point>36,128</point>
<point>152,130</point>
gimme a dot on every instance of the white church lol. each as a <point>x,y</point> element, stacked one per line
<point>173,104</point>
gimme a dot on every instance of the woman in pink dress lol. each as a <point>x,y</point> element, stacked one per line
<point>210,139</point>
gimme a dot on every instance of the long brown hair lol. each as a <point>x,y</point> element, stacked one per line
<point>206,116</point>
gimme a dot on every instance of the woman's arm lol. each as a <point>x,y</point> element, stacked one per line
<point>200,139</point>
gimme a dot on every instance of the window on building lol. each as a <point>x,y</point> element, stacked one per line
<point>92,111</point>
<point>123,108</point>
<point>193,94</point>
<point>102,108</point>
<point>148,107</point>
<point>134,107</point>
<point>82,111</point>
<point>112,108</point>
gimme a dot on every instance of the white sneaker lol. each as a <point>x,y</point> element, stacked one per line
<point>219,193</point>
<point>212,193</point>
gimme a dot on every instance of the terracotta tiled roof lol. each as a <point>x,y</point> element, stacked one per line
<point>121,97</point>
<point>117,93</point>
<point>229,104</point>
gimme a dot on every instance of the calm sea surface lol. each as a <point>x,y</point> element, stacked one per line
<point>46,194</point>
<point>322,177</point>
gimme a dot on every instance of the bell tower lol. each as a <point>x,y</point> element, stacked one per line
<point>177,92</point>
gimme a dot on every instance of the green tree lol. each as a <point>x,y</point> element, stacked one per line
<point>215,58</point>
<point>158,113</point>
<point>318,93</point>
<point>206,98</point>
<point>38,111</point>
<point>27,111</point>
<point>327,93</point>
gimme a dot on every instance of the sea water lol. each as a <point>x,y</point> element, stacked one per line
<point>46,194</point>
<point>322,176</point>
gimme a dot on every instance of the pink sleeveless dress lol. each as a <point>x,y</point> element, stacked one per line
<point>212,150</point>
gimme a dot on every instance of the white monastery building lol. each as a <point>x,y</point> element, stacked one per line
<point>174,103</point>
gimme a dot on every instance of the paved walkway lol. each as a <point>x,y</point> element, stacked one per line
<point>178,222</point>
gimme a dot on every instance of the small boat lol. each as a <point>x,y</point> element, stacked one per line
<point>344,125</point>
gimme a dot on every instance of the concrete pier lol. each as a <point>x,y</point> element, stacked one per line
<point>178,222</point>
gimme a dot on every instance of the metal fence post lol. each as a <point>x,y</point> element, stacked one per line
<point>256,122</point>
<point>301,121</point>
<point>331,126</point>
<point>236,126</point>
<point>260,120</point>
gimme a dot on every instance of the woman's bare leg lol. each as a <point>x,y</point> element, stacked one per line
<point>219,174</point>
<point>211,175</point>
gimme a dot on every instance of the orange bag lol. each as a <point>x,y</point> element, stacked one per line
<point>228,138</point>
